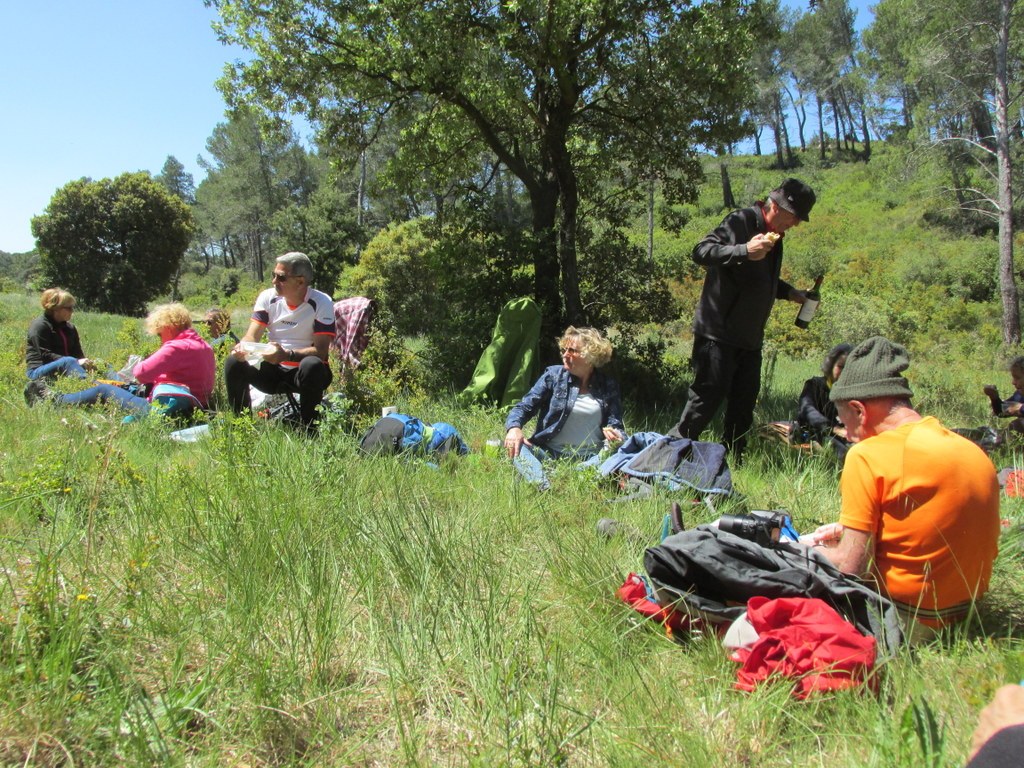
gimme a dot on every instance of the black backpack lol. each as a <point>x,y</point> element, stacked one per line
<point>712,574</point>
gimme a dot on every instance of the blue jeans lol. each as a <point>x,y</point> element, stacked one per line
<point>530,463</point>
<point>67,366</point>
<point>102,393</point>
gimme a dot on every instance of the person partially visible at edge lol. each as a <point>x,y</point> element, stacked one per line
<point>998,740</point>
<point>817,416</point>
<point>577,406</point>
<point>219,323</point>
<point>298,321</point>
<point>53,347</point>
<point>920,504</point>
<point>742,260</point>
<point>179,375</point>
<point>1013,406</point>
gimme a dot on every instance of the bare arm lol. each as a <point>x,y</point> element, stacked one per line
<point>321,347</point>
<point>254,331</point>
<point>853,553</point>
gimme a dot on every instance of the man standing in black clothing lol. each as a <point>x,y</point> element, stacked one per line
<point>743,259</point>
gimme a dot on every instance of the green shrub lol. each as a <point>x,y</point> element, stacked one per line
<point>619,284</point>
<point>649,366</point>
<point>445,286</point>
<point>388,372</point>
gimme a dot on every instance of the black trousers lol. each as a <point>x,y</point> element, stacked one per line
<point>721,372</point>
<point>310,379</point>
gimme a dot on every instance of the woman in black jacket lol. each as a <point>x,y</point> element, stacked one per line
<point>53,347</point>
<point>817,417</point>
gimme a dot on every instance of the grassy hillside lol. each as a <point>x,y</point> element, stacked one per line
<point>897,258</point>
<point>261,599</point>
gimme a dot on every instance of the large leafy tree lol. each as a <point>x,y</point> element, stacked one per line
<point>561,92</point>
<point>252,174</point>
<point>115,243</point>
<point>177,180</point>
<point>963,79</point>
<point>821,47</point>
<point>325,228</point>
<point>887,56</point>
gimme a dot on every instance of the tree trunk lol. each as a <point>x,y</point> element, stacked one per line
<point>728,201</point>
<point>780,115</point>
<point>569,209</point>
<point>361,189</point>
<point>800,109</point>
<point>908,107</point>
<point>821,129</point>
<point>981,121</point>
<point>1007,281</point>
<point>229,252</point>
<point>848,111</point>
<point>543,208</point>
<point>780,161</point>
<point>835,122</point>
<point>650,220</point>
<point>864,128</point>
<point>757,141</point>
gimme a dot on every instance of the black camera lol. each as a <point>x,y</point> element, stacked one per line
<point>763,528</point>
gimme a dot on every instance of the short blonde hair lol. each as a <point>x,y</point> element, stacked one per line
<point>168,316</point>
<point>593,347</point>
<point>56,298</point>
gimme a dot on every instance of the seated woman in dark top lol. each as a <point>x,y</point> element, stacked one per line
<point>577,408</point>
<point>1013,406</point>
<point>817,418</point>
<point>53,347</point>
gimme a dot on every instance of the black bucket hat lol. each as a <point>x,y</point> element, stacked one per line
<point>796,197</point>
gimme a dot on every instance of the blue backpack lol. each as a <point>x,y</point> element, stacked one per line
<point>399,433</point>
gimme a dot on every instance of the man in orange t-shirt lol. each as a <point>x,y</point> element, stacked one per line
<point>920,504</point>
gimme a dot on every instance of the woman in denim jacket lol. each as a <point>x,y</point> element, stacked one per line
<point>577,406</point>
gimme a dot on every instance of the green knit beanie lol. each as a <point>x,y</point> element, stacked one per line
<point>872,370</point>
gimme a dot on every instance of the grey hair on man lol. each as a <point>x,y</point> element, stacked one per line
<point>298,264</point>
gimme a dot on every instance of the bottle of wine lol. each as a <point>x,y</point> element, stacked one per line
<point>810,305</point>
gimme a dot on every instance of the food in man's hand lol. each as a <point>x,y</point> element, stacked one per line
<point>772,237</point>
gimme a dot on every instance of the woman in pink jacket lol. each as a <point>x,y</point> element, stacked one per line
<point>179,376</point>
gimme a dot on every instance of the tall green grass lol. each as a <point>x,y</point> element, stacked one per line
<point>259,598</point>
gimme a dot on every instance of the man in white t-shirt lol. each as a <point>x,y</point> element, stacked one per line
<point>299,324</point>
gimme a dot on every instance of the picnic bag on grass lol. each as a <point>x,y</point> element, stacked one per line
<point>399,433</point>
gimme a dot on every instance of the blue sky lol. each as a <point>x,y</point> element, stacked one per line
<point>97,88</point>
<point>101,87</point>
